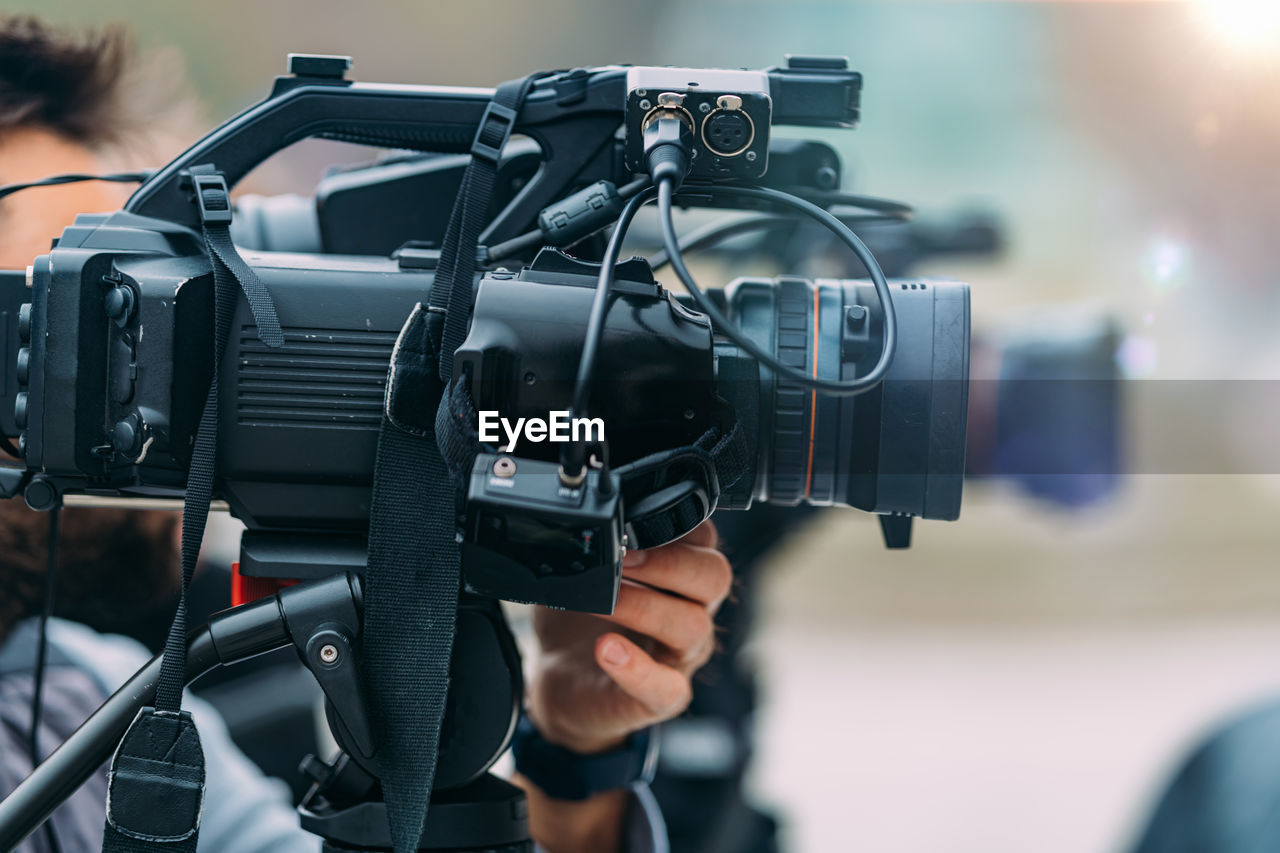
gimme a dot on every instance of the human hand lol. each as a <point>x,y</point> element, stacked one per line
<point>600,678</point>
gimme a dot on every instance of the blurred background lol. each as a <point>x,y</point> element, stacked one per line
<point>1026,678</point>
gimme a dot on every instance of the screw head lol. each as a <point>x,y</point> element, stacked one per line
<point>704,107</point>
<point>751,156</point>
<point>644,104</point>
<point>328,653</point>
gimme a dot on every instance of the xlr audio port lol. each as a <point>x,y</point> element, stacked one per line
<point>728,132</point>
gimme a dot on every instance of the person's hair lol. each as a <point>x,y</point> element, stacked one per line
<point>91,86</point>
<point>114,565</point>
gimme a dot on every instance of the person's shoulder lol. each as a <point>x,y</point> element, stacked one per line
<point>109,658</point>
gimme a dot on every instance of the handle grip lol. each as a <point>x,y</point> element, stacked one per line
<point>571,115</point>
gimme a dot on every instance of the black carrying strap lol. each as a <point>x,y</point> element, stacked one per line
<point>160,761</point>
<point>456,430</point>
<point>414,567</point>
<point>453,288</point>
<point>411,582</point>
<point>231,276</point>
<point>670,492</point>
<point>155,788</point>
<point>214,200</point>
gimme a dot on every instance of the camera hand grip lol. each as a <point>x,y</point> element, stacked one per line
<point>571,115</point>
<point>430,118</point>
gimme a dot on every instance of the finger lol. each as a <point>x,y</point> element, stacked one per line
<point>703,535</point>
<point>558,629</point>
<point>696,573</point>
<point>661,691</point>
<point>684,627</point>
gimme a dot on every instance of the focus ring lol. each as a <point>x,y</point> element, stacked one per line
<point>792,401</point>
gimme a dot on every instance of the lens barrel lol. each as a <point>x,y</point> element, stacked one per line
<point>897,449</point>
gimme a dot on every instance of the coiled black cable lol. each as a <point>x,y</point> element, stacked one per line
<point>721,230</point>
<point>831,387</point>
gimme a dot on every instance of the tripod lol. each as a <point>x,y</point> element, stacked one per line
<point>345,809</point>
<point>471,810</point>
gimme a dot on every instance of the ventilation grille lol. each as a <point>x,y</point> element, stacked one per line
<point>326,378</point>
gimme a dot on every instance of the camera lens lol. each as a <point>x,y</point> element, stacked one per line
<point>898,448</point>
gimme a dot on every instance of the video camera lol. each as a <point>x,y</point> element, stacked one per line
<point>109,370</point>
<point>636,412</point>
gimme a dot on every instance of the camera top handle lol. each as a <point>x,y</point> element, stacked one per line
<point>572,115</point>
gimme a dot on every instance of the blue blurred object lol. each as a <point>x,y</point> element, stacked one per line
<point>1059,409</point>
<point>1045,401</point>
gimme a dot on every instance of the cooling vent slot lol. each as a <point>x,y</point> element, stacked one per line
<point>323,378</point>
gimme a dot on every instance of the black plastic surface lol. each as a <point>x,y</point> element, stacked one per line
<point>486,816</point>
<point>896,449</point>
<point>532,539</point>
<point>654,373</point>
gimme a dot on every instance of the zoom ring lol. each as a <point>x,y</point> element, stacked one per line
<point>793,408</point>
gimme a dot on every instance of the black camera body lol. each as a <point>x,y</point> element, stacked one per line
<point>110,338</point>
<point>115,345</point>
<point>657,355</point>
<point>114,394</point>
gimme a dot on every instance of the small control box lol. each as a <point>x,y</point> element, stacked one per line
<point>727,114</point>
<point>533,539</point>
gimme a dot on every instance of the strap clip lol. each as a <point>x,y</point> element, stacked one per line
<point>213,199</point>
<point>495,125</point>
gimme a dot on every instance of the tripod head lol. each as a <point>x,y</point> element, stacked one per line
<point>321,619</point>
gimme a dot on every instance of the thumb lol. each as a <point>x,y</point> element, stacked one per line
<point>660,691</point>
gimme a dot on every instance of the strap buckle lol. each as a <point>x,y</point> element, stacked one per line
<point>213,199</point>
<point>503,121</point>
